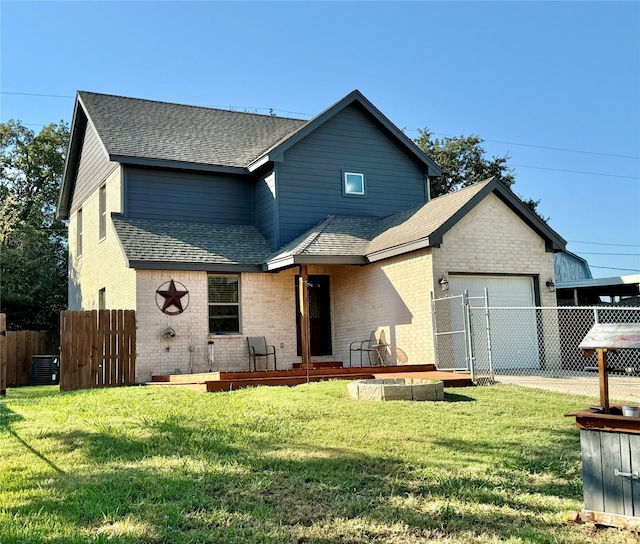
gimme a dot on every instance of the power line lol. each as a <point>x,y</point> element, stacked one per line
<point>611,268</point>
<point>602,243</point>
<point>541,146</point>
<point>574,171</point>
<point>616,254</point>
<point>563,149</point>
<point>38,94</point>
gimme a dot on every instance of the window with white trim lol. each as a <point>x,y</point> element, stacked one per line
<point>224,306</point>
<point>102,213</point>
<point>353,183</point>
<point>79,233</point>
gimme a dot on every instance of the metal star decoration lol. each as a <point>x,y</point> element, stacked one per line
<point>172,298</point>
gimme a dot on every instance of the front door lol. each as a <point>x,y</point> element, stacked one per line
<point>319,315</point>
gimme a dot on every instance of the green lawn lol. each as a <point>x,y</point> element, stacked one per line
<point>304,464</point>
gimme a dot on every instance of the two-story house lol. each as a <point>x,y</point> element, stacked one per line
<point>217,225</point>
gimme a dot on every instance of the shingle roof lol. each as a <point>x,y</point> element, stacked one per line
<point>423,221</point>
<point>146,129</point>
<point>414,228</point>
<point>349,240</point>
<point>364,236</point>
<point>149,241</point>
<point>333,236</point>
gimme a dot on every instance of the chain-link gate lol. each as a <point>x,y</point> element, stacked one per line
<point>531,344</point>
<point>456,337</point>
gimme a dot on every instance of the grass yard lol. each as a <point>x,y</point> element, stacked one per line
<point>293,465</point>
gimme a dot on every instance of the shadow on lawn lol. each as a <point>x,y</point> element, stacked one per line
<point>242,482</point>
<point>455,397</point>
<point>7,418</point>
<point>211,490</point>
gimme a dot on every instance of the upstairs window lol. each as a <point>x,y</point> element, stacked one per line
<point>353,183</point>
<point>102,213</point>
<point>79,232</point>
<point>224,308</point>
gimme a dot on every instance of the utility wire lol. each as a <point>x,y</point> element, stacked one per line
<point>616,254</point>
<point>611,268</point>
<point>574,171</point>
<point>602,243</point>
<point>567,150</point>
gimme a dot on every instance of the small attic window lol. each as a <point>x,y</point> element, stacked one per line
<point>353,183</point>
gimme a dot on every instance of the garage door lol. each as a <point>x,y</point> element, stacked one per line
<point>514,333</point>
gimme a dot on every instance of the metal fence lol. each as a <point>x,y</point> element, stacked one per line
<point>534,346</point>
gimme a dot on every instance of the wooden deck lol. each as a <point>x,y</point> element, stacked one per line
<point>229,381</point>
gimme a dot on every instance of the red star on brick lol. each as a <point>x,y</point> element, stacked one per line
<point>172,298</point>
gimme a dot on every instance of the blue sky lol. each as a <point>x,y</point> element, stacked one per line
<point>554,76</point>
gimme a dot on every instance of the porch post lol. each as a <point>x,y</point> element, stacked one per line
<point>303,296</point>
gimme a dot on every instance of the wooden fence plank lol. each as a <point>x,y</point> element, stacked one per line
<point>76,343</point>
<point>19,347</point>
<point>3,355</point>
<point>97,348</point>
<point>64,354</point>
<point>129,342</point>
<point>121,351</point>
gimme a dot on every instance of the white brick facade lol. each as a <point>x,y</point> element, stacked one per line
<point>491,239</point>
<point>102,264</point>
<point>392,297</point>
<point>267,308</point>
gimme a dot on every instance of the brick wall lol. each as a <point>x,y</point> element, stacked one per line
<point>391,297</point>
<point>102,263</point>
<point>491,239</point>
<point>267,308</point>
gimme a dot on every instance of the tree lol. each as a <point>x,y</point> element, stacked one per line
<point>33,245</point>
<point>463,163</point>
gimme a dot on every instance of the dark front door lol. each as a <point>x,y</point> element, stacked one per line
<point>319,315</point>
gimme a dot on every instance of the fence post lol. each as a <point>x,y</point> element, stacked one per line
<point>488,326</point>
<point>466,311</point>
<point>3,355</point>
<point>434,328</point>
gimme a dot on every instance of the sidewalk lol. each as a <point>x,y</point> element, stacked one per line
<point>620,388</point>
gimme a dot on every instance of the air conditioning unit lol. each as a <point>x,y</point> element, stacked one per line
<point>45,370</point>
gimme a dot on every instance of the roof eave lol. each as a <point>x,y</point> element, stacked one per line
<point>177,165</point>
<point>401,249</point>
<point>78,126</point>
<point>295,260</point>
<point>355,96</point>
<point>194,266</point>
<point>555,242</point>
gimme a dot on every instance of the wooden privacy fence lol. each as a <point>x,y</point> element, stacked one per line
<point>16,351</point>
<point>97,349</point>
<point>3,355</point>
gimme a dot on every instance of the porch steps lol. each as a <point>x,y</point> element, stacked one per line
<point>226,381</point>
<point>321,364</point>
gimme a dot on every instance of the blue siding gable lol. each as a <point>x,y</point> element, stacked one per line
<point>94,167</point>
<point>172,195</point>
<point>266,209</point>
<point>310,179</point>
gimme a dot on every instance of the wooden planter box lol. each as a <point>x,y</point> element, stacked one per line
<point>610,446</point>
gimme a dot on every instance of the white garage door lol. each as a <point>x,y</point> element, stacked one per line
<point>514,333</point>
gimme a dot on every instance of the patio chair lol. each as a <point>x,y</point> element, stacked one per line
<point>258,348</point>
<point>375,349</point>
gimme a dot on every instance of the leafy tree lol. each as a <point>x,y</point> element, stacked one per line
<point>33,246</point>
<point>463,163</point>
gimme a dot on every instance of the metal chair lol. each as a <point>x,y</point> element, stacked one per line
<point>257,346</point>
<point>374,348</point>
